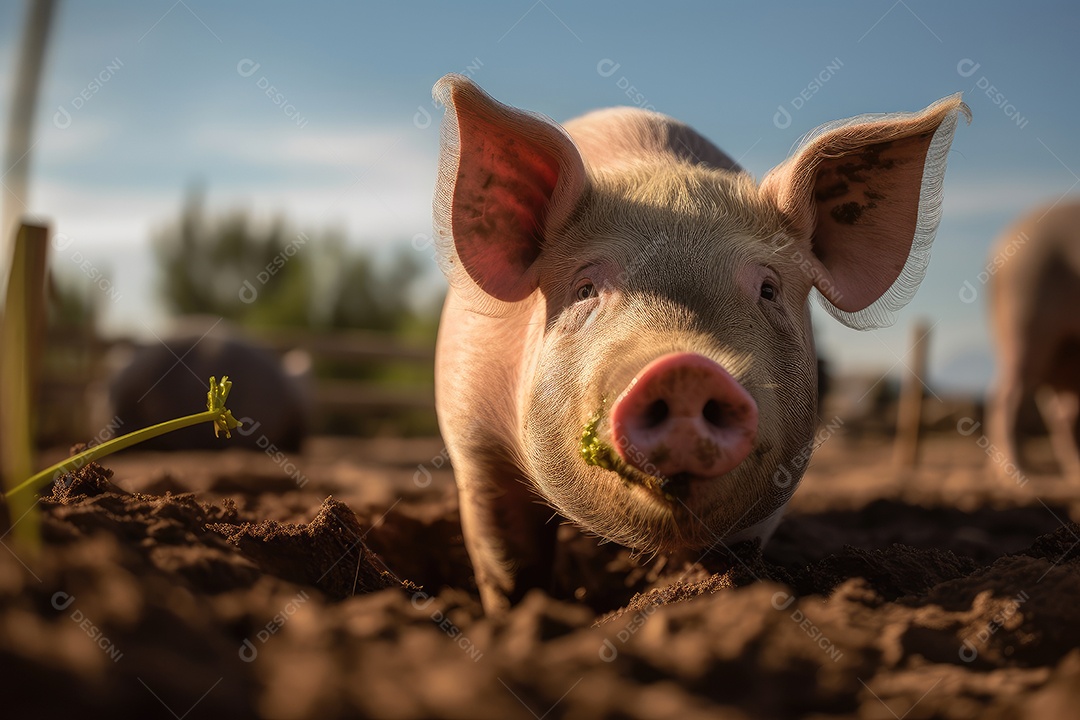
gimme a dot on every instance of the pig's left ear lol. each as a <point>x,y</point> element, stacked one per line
<point>507,178</point>
<point>863,196</point>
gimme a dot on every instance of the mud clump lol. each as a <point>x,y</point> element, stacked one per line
<point>328,553</point>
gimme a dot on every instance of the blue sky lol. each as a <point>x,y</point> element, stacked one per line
<point>345,141</point>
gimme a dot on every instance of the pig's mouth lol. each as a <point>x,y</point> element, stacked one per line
<point>595,451</point>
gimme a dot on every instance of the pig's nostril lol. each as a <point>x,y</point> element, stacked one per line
<point>656,413</point>
<point>713,412</point>
<point>684,418</point>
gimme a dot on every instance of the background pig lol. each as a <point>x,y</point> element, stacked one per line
<point>1035,311</point>
<point>162,380</point>
<point>627,336</point>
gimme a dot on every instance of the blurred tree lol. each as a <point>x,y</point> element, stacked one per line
<point>228,267</point>
<point>369,297</point>
<point>269,277</point>
<point>68,363</point>
<point>72,303</point>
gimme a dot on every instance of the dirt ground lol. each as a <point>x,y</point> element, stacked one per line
<point>335,584</point>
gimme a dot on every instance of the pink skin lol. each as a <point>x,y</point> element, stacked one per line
<point>625,245</point>
<point>684,414</point>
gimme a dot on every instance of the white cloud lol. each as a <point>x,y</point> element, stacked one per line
<point>382,191</point>
<point>101,215</point>
<point>127,217</point>
<point>111,227</point>
<point>390,151</point>
<point>82,139</point>
<point>366,210</point>
<point>1005,194</point>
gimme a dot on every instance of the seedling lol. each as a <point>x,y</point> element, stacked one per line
<point>223,420</point>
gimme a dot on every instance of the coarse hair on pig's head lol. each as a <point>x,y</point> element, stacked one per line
<point>677,254</point>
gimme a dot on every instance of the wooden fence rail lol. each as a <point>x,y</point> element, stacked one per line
<point>393,391</point>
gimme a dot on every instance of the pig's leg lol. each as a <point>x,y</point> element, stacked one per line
<point>1004,414</point>
<point>509,533</point>
<point>1075,436</point>
<point>1075,433</point>
<point>1027,356</point>
<point>1059,412</point>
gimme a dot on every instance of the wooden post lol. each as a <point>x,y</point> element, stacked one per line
<point>21,334</point>
<point>909,412</point>
<point>15,170</point>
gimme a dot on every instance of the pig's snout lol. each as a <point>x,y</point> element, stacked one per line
<point>684,413</point>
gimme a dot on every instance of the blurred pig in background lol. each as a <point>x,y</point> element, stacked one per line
<point>1035,314</point>
<point>158,381</point>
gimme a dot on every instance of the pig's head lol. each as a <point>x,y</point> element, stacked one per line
<point>667,396</point>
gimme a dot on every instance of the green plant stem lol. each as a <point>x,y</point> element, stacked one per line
<point>75,462</point>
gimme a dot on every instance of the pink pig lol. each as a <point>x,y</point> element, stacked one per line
<point>1034,295</point>
<point>627,335</point>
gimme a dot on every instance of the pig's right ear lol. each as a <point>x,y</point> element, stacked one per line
<point>862,198</point>
<point>506,178</point>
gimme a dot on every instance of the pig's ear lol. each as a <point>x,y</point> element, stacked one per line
<point>864,197</point>
<point>506,178</point>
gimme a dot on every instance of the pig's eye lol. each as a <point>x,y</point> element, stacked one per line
<point>768,290</point>
<point>585,291</point>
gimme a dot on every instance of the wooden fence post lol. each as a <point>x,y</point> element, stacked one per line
<point>21,334</point>
<point>909,412</point>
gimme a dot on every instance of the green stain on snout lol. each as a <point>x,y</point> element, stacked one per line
<point>599,453</point>
<point>594,450</point>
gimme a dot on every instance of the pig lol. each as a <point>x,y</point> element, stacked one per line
<point>625,343</point>
<point>168,378</point>
<point>1034,295</point>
